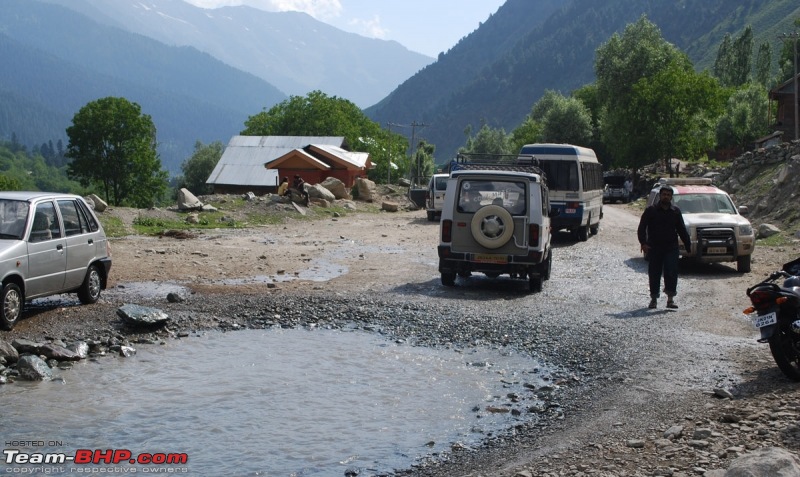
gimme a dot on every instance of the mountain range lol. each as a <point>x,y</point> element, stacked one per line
<point>200,73</point>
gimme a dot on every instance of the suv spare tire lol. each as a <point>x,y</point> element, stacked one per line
<point>492,226</point>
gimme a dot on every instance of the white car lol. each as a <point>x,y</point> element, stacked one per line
<point>434,197</point>
<point>50,243</point>
<point>718,229</point>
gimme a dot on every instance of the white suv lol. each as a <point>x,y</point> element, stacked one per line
<point>434,197</point>
<point>717,227</point>
<point>495,222</point>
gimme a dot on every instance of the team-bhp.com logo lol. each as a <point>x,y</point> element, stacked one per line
<point>93,456</point>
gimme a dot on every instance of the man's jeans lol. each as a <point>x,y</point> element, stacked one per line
<point>666,261</point>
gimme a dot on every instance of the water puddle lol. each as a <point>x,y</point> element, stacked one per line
<point>277,403</point>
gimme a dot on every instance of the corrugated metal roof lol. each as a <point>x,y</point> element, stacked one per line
<point>358,159</point>
<point>244,159</point>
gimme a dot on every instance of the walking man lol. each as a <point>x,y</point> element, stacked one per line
<point>659,228</point>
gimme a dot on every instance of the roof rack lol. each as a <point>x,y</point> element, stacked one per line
<point>685,181</point>
<point>495,162</point>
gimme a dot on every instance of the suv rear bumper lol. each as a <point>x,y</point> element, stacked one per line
<point>459,262</point>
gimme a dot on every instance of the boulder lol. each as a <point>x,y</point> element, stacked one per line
<point>96,202</point>
<point>137,315</point>
<point>188,201</point>
<point>33,368</point>
<point>765,462</point>
<point>390,206</point>
<point>318,191</point>
<point>366,189</point>
<point>767,230</point>
<point>336,187</point>
<point>8,352</point>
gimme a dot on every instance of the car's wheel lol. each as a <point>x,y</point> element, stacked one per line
<point>547,266</point>
<point>594,229</point>
<point>743,263</point>
<point>583,233</point>
<point>448,279</point>
<point>11,300</point>
<point>535,283</point>
<point>89,292</point>
<point>492,226</point>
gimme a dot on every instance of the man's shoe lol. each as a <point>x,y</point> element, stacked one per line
<point>652,304</point>
<point>671,304</point>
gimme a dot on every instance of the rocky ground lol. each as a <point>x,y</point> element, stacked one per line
<point>638,392</point>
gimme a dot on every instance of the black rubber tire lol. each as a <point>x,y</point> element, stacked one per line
<point>743,263</point>
<point>535,283</point>
<point>448,279</point>
<point>787,359</point>
<point>11,303</point>
<point>431,216</point>
<point>583,233</point>
<point>547,266</point>
<point>594,229</point>
<point>89,292</point>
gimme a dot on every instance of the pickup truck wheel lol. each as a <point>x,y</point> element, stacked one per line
<point>492,226</point>
<point>10,306</point>
<point>743,263</point>
<point>448,279</point>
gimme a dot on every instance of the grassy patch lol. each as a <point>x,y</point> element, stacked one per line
<point>113,226</point>
<point>776,240</point>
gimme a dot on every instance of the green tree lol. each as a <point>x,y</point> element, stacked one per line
<point>317,114</point>
<point>529,132</point>
<point>675,108</point>
<point>786,60</point>
<point>763,72</point>
<point>745,118</point>
<point>487,141</point>
<point>640,52</point>
<point>113,145</point>
<point>568,121</point>
<point>7,183</point>
<point>422,164</point>
<point>197,169</point>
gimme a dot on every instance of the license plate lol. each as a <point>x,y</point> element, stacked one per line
<point>570,211</point>
<point>489,258</point>
<point>766,320</point>
<point>717,250</point>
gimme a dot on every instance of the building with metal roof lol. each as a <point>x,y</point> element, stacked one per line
<point>256,163</point>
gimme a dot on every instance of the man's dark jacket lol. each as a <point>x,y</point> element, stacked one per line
<point>660,228</point>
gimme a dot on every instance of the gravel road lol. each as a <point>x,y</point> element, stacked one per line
<point>626,374</point>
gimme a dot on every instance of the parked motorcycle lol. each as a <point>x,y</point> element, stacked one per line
<point>776,313</point>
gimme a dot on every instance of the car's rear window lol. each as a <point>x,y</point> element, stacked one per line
<point>440,183</point>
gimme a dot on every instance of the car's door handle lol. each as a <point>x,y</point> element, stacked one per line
<point>59,247</point>
<point>91,241</point>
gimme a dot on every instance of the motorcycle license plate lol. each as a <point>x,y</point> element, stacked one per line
<point>766,320</point>
<point>717,250</point>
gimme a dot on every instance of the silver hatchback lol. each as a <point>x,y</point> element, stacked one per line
<point>50,243</point>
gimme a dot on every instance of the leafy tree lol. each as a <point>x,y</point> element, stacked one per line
<point>197,169</point>
<point>745,117</point>
<point>529,132</point>
<point>113,145</point>
<point>422,164</point>
<point>568,121</point>
<point>763,65</point>
<point>487,141</point>
<point>317,114</point>
<point>640,52</point>
<point>675,108</point>
<point>786,61</point>
<point>7,183</point>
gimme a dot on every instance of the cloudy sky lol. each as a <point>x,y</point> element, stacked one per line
<point>424,26</point>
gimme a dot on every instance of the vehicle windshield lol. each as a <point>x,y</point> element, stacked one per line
<point>13,214</point>
<point>704,203</point>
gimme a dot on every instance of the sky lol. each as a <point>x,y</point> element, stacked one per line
<point>425,26</point>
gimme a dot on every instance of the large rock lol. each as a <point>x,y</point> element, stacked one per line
<point>318,191</point>
<point>96,202</point>
<point>33,368</point>
<point>188,201</point>
<point>366,189</point>
<point>765,462</point>
<point>336,187</point>
<point>60,353</point>
<point>137,315</point>
<point>8,352</point>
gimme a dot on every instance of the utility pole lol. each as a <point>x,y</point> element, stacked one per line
<point>793,37</point>
<point>414,125</point>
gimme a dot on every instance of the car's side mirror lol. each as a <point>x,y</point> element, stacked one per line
<point>743,210</point>
<point>554,212</point>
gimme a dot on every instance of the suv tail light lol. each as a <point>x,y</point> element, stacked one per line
<point>533,233</point>
<point>447,231</point>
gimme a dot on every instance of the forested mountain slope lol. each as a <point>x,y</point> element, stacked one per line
<point>472,83</point>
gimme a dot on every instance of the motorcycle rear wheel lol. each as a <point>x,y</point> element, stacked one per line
<point>786,356</point>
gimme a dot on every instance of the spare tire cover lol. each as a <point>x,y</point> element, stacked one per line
<point>492,226</point>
